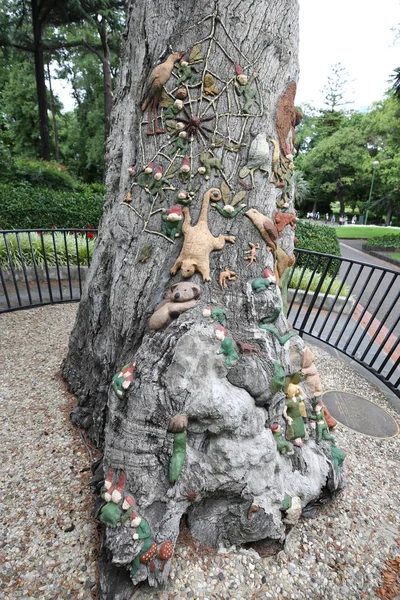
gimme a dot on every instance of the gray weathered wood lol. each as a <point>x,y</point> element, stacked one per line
<point>231,457</point>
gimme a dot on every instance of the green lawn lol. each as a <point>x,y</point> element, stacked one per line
<point>364,232</point>
<point>396,255</point>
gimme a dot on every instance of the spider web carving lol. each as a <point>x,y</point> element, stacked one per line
<point>221,137</point>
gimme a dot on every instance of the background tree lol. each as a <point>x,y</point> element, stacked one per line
<point>24,26</point>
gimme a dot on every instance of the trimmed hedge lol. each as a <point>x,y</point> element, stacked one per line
<point>386,241</point>
<point>24,206</point>
<point>317,238</point>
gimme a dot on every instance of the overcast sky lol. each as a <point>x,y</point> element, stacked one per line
<point>356,33</point>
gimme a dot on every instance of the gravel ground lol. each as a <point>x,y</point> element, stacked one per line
<point>51,543</point>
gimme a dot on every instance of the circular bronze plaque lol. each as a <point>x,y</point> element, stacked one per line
<point>360,414</point>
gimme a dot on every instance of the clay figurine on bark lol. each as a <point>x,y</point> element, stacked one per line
<point>251,255</point>
<point>262,283</point>
<point>158,78</point>
<point>292,413</point>
<point>283,219</point>
<point>141,531</point>
<point>283,446</point>
<point>180,298</point>
<point>245,87</point>
<point>230,208</point>
<point>322,427</point>
<point>123,379</point>
<point>172,222</point>
<point>178,456</point>
<point>217,314</point>
<point>265,226</point>
<point>310,371</point>
<point>199,242</point>
<point>128,507</point>
<point>257,157</point>
<point>111,512</point>
<point>227,347</point>
<point>209,162</point>
<point>225,276</point>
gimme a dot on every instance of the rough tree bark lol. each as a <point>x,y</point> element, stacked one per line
<point>231,458</point>
<point>40,82</point>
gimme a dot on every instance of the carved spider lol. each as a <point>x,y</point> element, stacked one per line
<point>194,125</point>
<point>189,495</point>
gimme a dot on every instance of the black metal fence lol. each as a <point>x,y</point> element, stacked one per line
<point>45,266</point>
<point>352,306</point>
<point>349,305</point>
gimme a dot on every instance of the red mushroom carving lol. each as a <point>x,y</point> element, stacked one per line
<point>149,555</point>
<point>165,552</point>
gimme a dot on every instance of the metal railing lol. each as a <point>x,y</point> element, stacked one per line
<point>44,266</point>
<point>349,305</point>
<point>353,307</point>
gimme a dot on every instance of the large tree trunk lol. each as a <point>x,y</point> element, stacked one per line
<point>231,458</point>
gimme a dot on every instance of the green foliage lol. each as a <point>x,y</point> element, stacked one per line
<point>301,281</point>
<point>68,249</point>
<point>18,105</point>
<point>316,238</point>
<point>301,188</point>
<point>42,173</point>
<point>364,232</point>
<point>25,206</point>
<point>386,241</point>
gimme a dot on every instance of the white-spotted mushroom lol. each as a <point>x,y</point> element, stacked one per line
<point>165,552</point>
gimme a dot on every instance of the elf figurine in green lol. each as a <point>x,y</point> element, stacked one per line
<point>263,283</point>
<point>216,313</point>
<point>127,506</point>
<point>141,531</point>
<point>171,224</point>
<point>123,379</point>
<point>283,446</point>
<point>322,427</point>
<point>227,348</point>
<point>111,512</point>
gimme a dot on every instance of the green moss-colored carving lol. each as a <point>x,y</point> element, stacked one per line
<point>278,378</point>
<point>110,514</point>
<point>282,339</point>
<point>338,457</point>
<point>178,456</point>
<point>260,284</point>
<point>272,318</point>
<point>228,351</point>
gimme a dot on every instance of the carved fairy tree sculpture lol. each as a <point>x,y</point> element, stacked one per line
<point>202,112</point>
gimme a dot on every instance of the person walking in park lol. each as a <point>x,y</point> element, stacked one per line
<point>333,219</point>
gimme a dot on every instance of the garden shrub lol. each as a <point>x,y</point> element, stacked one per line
<point>48,248</point>
<point>316,238</point>
<point>42,173</point>
<point>386,241</point>
<point>302,280</point>
<point>24,206</point>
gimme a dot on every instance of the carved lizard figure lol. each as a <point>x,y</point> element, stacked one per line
<point>199,242</point>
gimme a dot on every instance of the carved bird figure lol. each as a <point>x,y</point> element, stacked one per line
<point>258,156</point>
<point>158,78</point>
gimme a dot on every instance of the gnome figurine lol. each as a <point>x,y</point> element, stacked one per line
<point>227,347</point>
<point>172,222</point>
